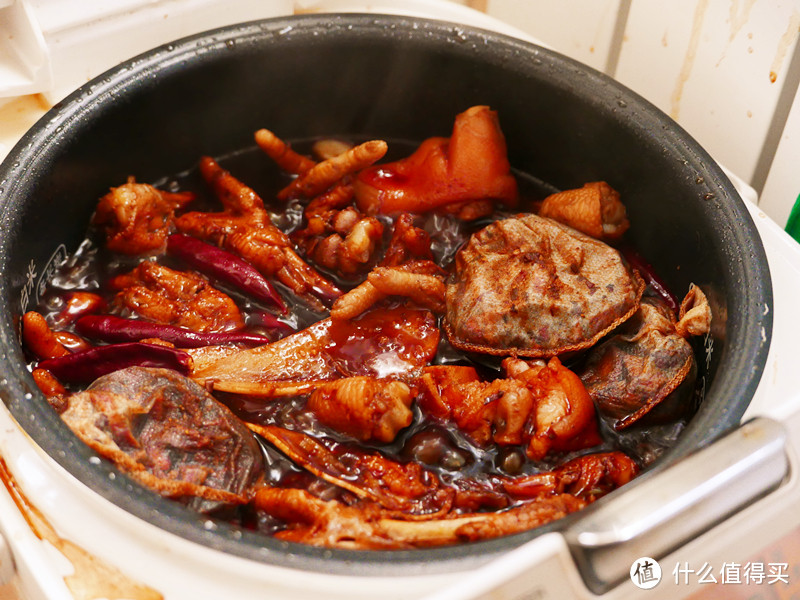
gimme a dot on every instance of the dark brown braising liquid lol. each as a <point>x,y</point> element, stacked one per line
<point>444,450</point>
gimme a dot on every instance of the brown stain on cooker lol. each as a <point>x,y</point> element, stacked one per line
<point>19,115</point>
<point>689,58</point>
<point>92,577</point>
<point>481,5</point>
<point>788,38</point>
<point>738,18</point>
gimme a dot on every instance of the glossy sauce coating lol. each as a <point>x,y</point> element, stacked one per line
<point>393,341</point>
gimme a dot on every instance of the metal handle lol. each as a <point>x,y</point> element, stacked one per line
<point>664,512</point>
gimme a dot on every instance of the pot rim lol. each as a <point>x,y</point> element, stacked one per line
<point>34,414</point>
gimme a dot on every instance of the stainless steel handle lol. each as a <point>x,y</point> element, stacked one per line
<point>662,513</point>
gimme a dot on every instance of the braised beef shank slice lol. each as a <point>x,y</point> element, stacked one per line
<point>529,286</point>
<point>170,426</point>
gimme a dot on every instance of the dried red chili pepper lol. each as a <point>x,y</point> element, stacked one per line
<point>115,330</point>
<point>647,272</point>
<point>224,266</point>
<point>85,367</point>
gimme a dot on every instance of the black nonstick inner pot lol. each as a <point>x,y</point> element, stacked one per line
<point>373,76</point>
